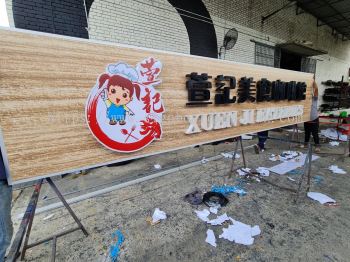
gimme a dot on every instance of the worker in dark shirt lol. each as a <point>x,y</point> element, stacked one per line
<point>6,229</point>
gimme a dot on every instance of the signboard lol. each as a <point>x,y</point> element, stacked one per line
<point>69,104</point>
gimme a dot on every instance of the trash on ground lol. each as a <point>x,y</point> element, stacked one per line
<point>247,137</point>
<point>203,215</point>
<point>118,239</point>
<point>219,220</point>
<point>318,179</point>
<point>214,210</point>
<point>287,166</point>
<point>229,155</point>
<point>211,238</point>
<point>332,133</point>
<point>263,171</point>
<point>334,143</point>
<point>48,217</point>
<point>225,189</point>
<point>240,233</point>
<point>204,160</point>
<point>243,171</point>
<point>336,170</point>
<point>214,199</point>
<point>322,198</point>
<point>157,166</point>
<point>158,215</point>
<point>194,198</point>
<point>286,156</point>
<point>291,179</point>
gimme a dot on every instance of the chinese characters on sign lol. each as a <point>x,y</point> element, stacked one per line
<point>199,87</point>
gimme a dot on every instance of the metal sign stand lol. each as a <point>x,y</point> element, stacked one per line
<point>306,169</point>
<point>27,222</point>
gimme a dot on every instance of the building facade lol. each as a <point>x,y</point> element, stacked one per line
<point>195,27</point>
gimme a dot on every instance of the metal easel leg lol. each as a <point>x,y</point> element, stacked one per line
<point>25,225</point>
<point>27,222</point>
<point>233,159</point>
<point>307,169</point>
<point>242,152</point>
<point>58,193</point>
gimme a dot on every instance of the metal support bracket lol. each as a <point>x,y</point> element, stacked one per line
<point>27,222</point>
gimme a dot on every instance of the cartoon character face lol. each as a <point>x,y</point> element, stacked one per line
<point>119,95</point>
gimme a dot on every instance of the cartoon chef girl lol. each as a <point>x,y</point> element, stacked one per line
<point>119,92</point>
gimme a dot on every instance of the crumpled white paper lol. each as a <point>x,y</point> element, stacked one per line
<point>334,143</point>
<point>336,170</point>
<point>332,133</point>
<point>229,155</point>
<point>243,171</point>
<point>322,198</point>
<point>219,220</point>
<point>211,238</point>
<point>203,215</point>
<point>158,215</point>
<point>263,171</point>
<point>240,233</point>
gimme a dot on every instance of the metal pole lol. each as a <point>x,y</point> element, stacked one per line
<point>242,149</point>
<point>53,253</point>
<point>58,193</point>
<point>309,168</point>
<point>27,219</point>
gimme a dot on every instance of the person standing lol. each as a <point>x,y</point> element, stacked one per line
<point>262,137</point>
<point>312,126</point>
<point>6,228</point>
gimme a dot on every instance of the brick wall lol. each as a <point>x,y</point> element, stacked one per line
<point>64,17</point>
<point>148,24</point>
<point>157,24</point>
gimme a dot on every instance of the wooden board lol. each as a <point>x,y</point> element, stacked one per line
<point>46,79</point>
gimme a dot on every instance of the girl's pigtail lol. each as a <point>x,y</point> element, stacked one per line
<point>103,78</point>
<point>137,91</point>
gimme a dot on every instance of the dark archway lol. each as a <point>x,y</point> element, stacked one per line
<point>200,28</point>
<point>67,17</point>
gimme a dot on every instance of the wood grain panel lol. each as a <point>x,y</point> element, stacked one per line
<point>45,81</point>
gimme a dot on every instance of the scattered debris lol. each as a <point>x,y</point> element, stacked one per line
<point>48,217</point>
<point>229,155</point>
<point>157,166</point>
<point>334,143</point>
<point>158,215</point>
<point>322,198</point>
<point>332,133</point>
<point>225,190</point>
<point>263,171</point>
<point>286,156</point>
<point>240,233</point>
<point>336,170</point>
<point>194,198</point>
<point>214,199</point>
<point>211,238</point>
<point>288,166</point>
<point>203,215</point>
<point>219,220</point>
<point>243,171</point>
<point>204,160</point>
<point>291,179</point>
<point>214,210</point>
<point>118,239</point>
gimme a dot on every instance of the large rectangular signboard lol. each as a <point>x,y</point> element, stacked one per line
<point>68,104</point>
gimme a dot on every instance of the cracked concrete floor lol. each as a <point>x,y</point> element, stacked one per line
<point>306,231</point>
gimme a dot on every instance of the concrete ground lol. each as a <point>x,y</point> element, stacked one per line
<point>306,231</point>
